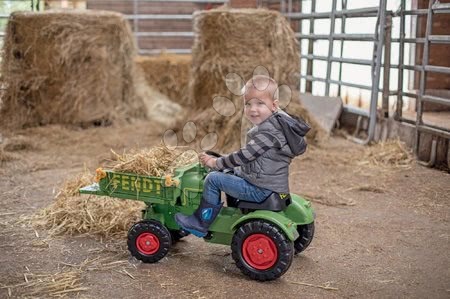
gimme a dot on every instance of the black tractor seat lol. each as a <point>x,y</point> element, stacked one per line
<point>274,202</point>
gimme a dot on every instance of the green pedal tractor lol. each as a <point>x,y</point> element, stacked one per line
<point>264,237</point>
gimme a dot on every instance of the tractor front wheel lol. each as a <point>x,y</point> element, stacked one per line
<point>149,241</point>
<point>261,250</point>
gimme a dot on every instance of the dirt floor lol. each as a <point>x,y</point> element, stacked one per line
<point>382,231</point>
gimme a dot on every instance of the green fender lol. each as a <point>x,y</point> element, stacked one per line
<point>279,219</point>
<point>300,210</point>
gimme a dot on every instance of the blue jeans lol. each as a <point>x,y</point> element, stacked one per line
<point>231,185</point>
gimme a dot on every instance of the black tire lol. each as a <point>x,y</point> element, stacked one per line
<point>149,241</point>
<point>259,237</point>
<point>177,235</point>
<point>306,234</point>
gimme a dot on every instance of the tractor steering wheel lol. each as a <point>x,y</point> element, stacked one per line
<point>217,155</point>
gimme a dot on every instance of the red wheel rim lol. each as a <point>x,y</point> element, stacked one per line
<point>260,251</point>
<point>147,243</point>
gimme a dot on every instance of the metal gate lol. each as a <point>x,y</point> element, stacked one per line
<point>434,7</point>
<point>377,37</point>
<point>382,40</point>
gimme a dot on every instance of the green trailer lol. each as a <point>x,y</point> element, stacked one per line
<point>263,237</point>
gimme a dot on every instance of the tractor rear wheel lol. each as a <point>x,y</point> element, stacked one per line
<point>261,250</point>
<point>306,234</point>
<point>149,241</point>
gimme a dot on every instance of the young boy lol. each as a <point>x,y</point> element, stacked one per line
<point>261,167</point>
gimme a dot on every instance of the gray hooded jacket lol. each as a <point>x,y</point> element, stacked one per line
<point>265,159</point>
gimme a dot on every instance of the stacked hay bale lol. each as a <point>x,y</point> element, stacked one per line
<point>241,42</point>
<point>69,67</point>
<point>238,41</point>
<point>169,74</point>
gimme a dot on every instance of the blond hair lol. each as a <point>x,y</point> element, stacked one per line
<point>262,83</point>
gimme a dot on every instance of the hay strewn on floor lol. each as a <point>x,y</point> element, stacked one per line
<point>68,278</point>
<point>238,41</point>
<point>392,153</point>
<point>70,67</point>
<point>169,74</point>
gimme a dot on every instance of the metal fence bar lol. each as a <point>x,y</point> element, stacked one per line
<point>423,77</point>
<point>424,11</point>
<point>135,20</point>
<point>409,94</point>
<point>339,82</point>
<point>163,34</point>
<point>435,130</point>
<point>158,17</point>
<point>349,13</point>
<point>348,36</point>
<point>338,59</point>
<point>341,50</point>
<point>439,39</point>
<point>437,69</point>
<point>387,66</point>
<point>435,99</point>
<point>312,57</point>
<point>330,47</point>
<point>159,51</point>
<point>310,63</point>
<point>407,67</point>
<point>418,40</point>
<point>378,51</point>
<point>440,6</point>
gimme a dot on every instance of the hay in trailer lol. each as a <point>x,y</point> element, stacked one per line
<point>155,161</point>
<point>169,74</point>
<point>73,213</point>
<point>68,67</point>
<point>238,41</point>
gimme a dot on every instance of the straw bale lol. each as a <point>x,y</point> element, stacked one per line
<point>169,74</point>
<point>69,67</point>
<point>238,41</point>
<point>158,106</point>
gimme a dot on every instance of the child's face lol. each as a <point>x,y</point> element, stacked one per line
<point>258,106</point>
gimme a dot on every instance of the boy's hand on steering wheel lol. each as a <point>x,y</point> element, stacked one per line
<point>208,160</point>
